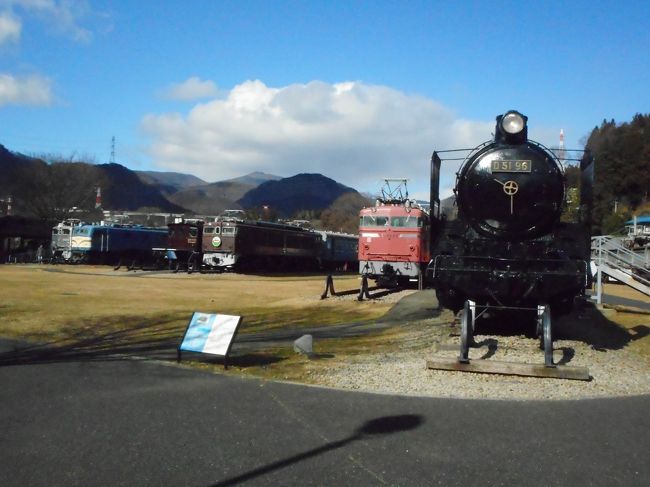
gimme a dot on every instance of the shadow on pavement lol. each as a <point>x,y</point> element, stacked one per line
<point>84,344</point>
<point>379,426</point>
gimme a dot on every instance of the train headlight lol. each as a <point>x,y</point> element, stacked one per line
<point>511,128</point>
<point>513,122</point>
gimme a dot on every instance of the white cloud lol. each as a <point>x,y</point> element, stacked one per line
<point>29,90</point>
<point>62,15</point>
<point>352,132</point>
<point>10,28</point>
<point>191,89</point>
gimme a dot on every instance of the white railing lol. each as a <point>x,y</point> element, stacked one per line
<point>614,259</point>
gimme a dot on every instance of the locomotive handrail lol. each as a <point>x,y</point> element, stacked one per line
<point>472,150</point>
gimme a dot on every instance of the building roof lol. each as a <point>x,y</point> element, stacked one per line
<point>640,220</point>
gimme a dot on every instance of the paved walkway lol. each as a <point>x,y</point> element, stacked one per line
<point>633,303</point>
<point>126,422</point>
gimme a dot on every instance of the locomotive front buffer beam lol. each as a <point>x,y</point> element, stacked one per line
<point>543,331</point>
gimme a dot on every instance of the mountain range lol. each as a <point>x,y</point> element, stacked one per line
<point>49,189</point>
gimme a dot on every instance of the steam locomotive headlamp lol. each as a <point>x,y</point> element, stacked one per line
<point>513,122</point>
<point>512,128</point>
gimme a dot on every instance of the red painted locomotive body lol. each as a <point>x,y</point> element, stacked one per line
<point>394,243</point>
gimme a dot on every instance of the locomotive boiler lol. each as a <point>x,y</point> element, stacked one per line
<point>509,247</point>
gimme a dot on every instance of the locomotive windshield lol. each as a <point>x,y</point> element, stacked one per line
<point>406,221</point>
<point>373,221</point>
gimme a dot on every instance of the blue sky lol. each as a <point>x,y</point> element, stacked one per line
<point>357,91</point>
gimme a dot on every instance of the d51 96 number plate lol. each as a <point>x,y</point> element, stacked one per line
<point>511,166</point>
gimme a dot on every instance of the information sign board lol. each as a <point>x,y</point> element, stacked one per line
<point>210,333</point>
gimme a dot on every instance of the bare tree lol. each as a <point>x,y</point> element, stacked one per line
<point>54,190</point>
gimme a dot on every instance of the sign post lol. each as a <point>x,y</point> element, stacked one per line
<point>209,333</point>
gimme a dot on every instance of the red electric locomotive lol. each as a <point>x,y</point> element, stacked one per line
<point>394,238</point>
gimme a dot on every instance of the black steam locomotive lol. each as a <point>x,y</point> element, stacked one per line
<point>509,247</point>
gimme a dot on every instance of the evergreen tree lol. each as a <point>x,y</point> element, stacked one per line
<point>622,174</point>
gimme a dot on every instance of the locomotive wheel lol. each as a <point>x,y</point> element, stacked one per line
<point>547,337</point>
<point>466,333</point>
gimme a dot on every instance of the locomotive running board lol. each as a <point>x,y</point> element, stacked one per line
<point>481,366</point>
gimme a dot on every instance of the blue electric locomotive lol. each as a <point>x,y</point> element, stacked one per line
<point>108,244</point>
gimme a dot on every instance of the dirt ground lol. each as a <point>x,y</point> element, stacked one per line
<point>65,304</point>
<point>93,312</point>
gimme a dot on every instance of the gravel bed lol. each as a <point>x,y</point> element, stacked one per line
<point>613,372</point>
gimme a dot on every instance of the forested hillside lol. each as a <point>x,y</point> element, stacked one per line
<point>343,214</point>
<point>211,199</point>
<point>302,192</point>
<point>49,190</point>
<point>622,171</point>
<point>53,189</point>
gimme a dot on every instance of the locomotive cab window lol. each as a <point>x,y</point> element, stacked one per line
<point>228,231</point>
<point>194,231</point>
<point>208,230</point>
<point>373,221</point>
<point>406,221</point>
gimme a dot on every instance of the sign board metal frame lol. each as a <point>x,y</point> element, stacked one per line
<point>209,333</point>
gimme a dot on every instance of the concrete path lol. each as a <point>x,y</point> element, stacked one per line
<point>142,423</point>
